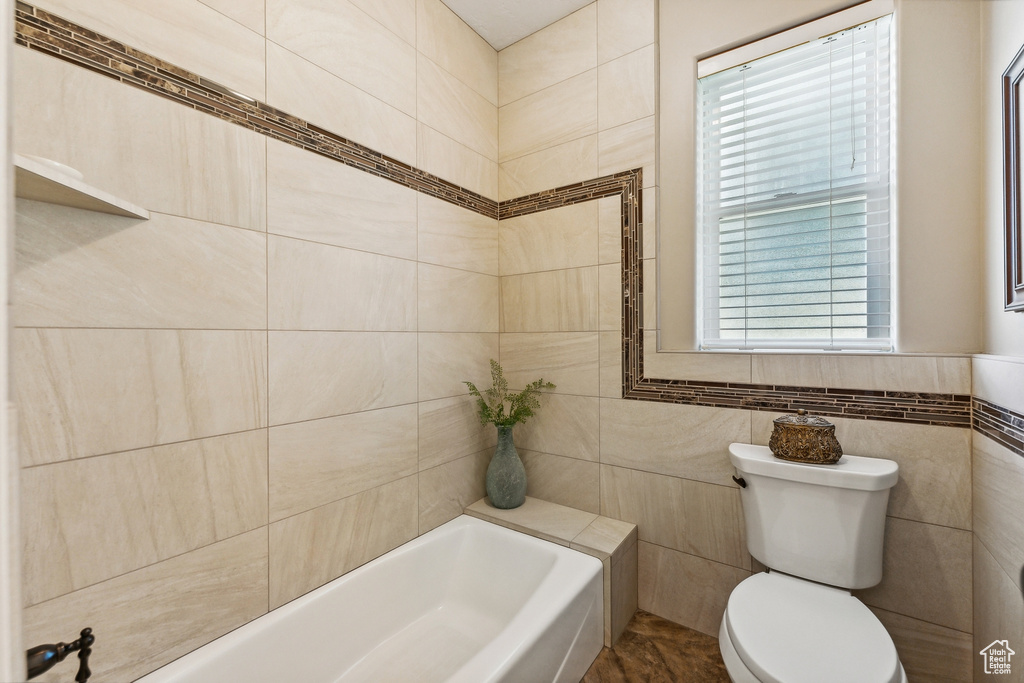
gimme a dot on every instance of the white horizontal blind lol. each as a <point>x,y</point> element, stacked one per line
<point>793,196</point>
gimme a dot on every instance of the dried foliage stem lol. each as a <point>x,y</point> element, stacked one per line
<point>492,402</point>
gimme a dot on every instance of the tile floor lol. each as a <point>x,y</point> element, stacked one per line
<point>655,650</point>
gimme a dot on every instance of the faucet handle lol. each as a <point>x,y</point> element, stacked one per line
<point>42,658</point>
<point>86,639</point>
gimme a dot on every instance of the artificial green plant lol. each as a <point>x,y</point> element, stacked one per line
<point>492,403</point>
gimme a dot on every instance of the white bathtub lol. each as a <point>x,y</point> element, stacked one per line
<point>468,602</point>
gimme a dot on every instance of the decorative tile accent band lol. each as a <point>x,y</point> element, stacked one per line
<point>628,186</point>
<point>952,410</point>
<point>1000,424</point>
<point>46,32</point>
<point>949,410</point>
<point>58,37</point>
<point>625,183</point>
<point>897,406</point>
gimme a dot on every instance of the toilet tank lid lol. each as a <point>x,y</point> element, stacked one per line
<point>851,472</point>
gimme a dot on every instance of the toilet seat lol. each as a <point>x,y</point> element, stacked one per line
<point>788,630</point>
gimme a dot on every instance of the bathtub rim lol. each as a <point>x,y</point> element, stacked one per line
<point>578,569</point>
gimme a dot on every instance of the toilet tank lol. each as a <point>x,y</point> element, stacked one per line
<point>825,523</point>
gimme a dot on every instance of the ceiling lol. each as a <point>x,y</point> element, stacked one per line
<point>503,22</point>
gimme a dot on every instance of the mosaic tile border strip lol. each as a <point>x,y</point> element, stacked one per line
<point>628,185</point>
<point>40,30</point>
<point>951,410</point>
<point>1000,424</point>
<point>625,183</point>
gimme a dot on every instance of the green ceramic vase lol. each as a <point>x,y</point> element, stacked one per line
<point>506,476</point>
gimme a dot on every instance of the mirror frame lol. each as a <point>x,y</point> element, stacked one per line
<point>1014,256</point>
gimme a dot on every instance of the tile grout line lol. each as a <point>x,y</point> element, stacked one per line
<point>147,566</point>
<point>266,226</point>
<point>416,297</point>
<point>985,546</point>
<point>221,540</point>
<point>140,449</point>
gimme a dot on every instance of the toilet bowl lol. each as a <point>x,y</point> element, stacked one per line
<point>781,629</point>
<point>819,529</point>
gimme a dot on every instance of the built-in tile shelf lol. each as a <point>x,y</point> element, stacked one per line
<point>43,183</point>
<point>610,540</point>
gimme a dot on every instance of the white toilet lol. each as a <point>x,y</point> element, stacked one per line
<point>819,530</point>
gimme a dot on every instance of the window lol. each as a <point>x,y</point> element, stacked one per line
<point>793,196</point>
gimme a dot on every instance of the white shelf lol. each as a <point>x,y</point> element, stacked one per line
<point>40,182</point>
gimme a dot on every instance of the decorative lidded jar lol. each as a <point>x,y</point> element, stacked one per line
<point>805,438</point>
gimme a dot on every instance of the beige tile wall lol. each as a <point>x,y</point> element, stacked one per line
<point>931,652</point>
<point>347,42</point>
<point>294,318</point>
<point>998,478</point>
<point>138,508</point>
<point>318,200</point>
<point>662,466</point>
<point>258,389</point>
<point>447,41</point>
<point>340,107</point>
<point>158,273</point>
<point>309,549</point>
<point>567,481</point>
<point>194,35</point>
<point>444,489</point>
<point>577,99</point>
<point>998,612</point>
<point>157,154</point>
<point>161,612</point>
<point>552,167</point>
<point>453,108</point>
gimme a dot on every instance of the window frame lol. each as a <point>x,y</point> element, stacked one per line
<point>879,274</point>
